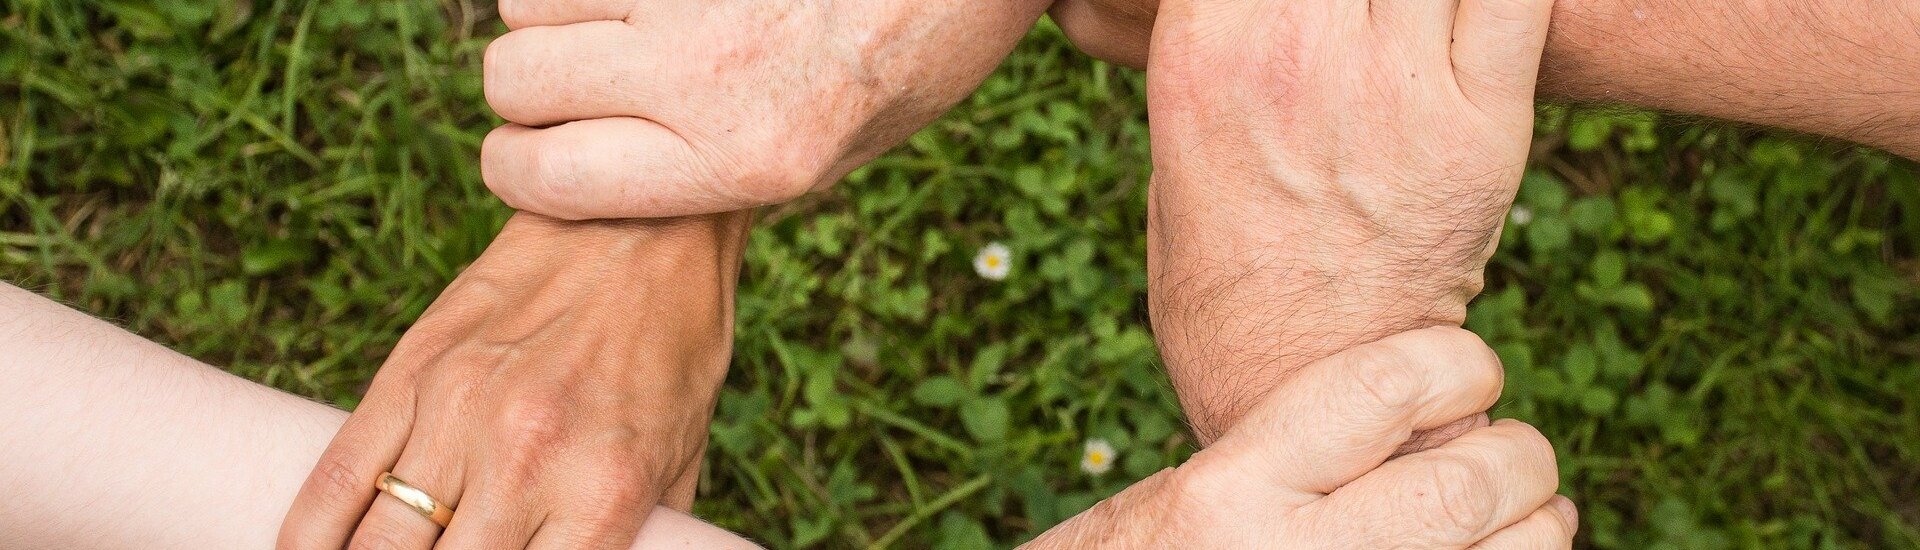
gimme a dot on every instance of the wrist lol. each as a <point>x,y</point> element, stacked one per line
<point>1244,295</point>
<point>667,284</point>
<point>1227,342</point>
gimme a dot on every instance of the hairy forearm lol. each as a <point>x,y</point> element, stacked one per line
<point>1837,68</point>
<point>1239,300</point>
<point>1844,69</point>
<point>1244,292</point>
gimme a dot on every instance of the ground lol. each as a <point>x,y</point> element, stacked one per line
<point>1716,326</point>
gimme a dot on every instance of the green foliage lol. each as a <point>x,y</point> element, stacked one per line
<point>1717,329</point>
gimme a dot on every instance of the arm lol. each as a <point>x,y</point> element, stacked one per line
<point>1837,68</point>
<point>116,442</point>
<point>1842,69</point>
<point>572,358</point>
<point>1311,194</point>
<point>1244,292</point>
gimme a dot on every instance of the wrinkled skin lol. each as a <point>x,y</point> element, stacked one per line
<point>556,391</point>
<point>654,109</point>
<point>1309,467</point>
<point>1326,173</point>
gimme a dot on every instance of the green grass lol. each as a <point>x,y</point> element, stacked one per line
<point>1715,326</point>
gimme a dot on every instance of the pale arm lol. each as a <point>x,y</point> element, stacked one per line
<point>111,441</point>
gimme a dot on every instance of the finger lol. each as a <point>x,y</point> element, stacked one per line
<point>1421,25</point>
<point>601,505</point>
<point>519,14</point>
<point>340,489</point>
<point>567,533</point>
<point>613,168</point>
<point>1497,46</point>
<point>1440,436</point>
<point>547,75</point>
<point>494,515</point>
<point>1549,528</point>
<point>679,496</point>
<point>1342,416</point>
<point>1451,496</point>
<point>393,524</point>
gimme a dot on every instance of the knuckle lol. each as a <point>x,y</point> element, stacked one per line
<point>622,488</point>
<point>1466,357</point>
<point>556,170</point>
<point>1388,380</point>
<point>505,80</point>
<point>338,481</point>
<point>494,64</point>
<point>1202,480</point>
<point>379,535</point>
<point>1456,502</point>
<point>781,181</point>
<point>1508,12</point>
<point>1534,447</point>
<point>531,423</point>
<point>784,168</point>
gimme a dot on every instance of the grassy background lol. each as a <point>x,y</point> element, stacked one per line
<point>1716,327</point>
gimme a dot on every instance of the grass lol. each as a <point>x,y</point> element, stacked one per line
<point>1717,327</point>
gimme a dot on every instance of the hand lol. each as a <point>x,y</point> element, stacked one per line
<point>627,108</point>
<point>1115,31</point>
<point>1326,172</point>
<point>551,396</point>
<point>1308,467</point>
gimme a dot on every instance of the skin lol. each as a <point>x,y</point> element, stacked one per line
<point>558,389</point>
<point>528,375</point>
<point>1316,163</point>
<point>1309,467</point>
<point>1846,74</point>
<point>570,159</point>
<point>213,460</point>
<point>1836,68</point>
<point>608,125</point>
<point>116,442</point>
<point>1839,68</point>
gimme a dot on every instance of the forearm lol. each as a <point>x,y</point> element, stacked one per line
<point>1239,299</point>
<point>1843,69</point>
<point>115,442</point>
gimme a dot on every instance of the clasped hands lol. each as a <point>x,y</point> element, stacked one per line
<point>1361,152</point>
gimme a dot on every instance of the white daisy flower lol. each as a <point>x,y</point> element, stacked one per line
<point>1521,215</point>
<point>993,262</point>
<point>1098,457</point>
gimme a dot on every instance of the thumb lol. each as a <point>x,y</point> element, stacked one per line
<point>1497,45</point>
<point>1340,417</point>
<point>619,167</point>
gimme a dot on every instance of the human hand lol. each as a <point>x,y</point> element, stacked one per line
<point>1115,31</point>
<point>1309,467</point>
<point>1327,172</point>
<point>623,108</point>
<point>551,395</point>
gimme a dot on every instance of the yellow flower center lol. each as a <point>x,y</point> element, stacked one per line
<point>1097,457</point>
<point>993,261</point>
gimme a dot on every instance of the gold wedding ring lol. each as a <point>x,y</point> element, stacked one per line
<point>415,498</point>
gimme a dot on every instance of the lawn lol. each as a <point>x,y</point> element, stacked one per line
<point>1716,326</point>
